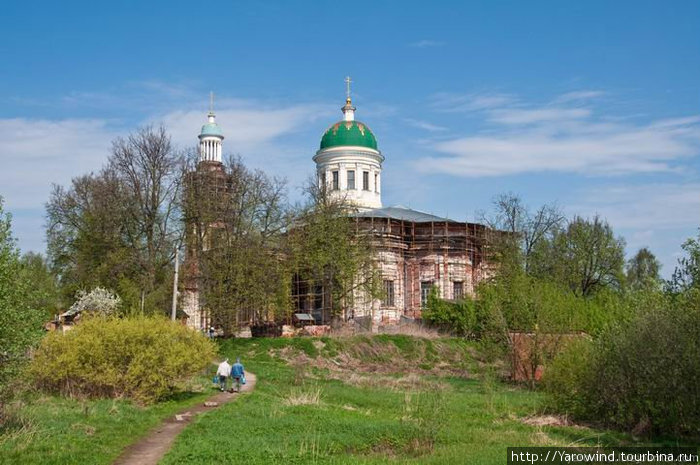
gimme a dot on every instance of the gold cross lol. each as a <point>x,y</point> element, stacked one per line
<point>347,84</point>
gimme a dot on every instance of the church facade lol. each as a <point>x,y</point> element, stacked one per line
<point>414,251</point>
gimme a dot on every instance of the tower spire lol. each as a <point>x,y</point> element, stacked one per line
<point>348,109</point>
<point>347,87</point>
<point>211,136</point>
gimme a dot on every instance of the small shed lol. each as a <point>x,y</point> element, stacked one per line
<point>304,319</point>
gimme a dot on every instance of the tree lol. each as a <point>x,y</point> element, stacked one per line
<point>236,219</point>
<point>586,256</point>
<point>149,170</point>
<point>46,295</point>
<point>524,229</point>
<point>85,233</point>
<point>329,253</point>
<point>643,271</point>
<point>98,301</point>
<point>118,228</point>
<point>686,276</point>
<point>20,324</point>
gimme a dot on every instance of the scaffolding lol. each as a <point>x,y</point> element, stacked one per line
<point>416,247</point>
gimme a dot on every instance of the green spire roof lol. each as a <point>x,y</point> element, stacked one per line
<point>348,133</point>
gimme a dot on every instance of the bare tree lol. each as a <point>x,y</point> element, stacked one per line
<point>149,169</point>
<point>524,229</point>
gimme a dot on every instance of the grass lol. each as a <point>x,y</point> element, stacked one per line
<point>62,431</point>
<point>306,410</point>
<point>360,400</point>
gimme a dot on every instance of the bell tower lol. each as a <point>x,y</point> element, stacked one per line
<point>211,137</point>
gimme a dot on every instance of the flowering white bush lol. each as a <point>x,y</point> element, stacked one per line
<point>98,300</point>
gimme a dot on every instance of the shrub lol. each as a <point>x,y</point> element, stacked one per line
<point>567,378</point>
<point>456,317</point>
<point>144,358</point>
<point>642,375</point>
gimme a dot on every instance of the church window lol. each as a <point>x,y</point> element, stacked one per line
<point>351,179</point>
<point>335,181</point>
<point>388,300</point>
<point>365,180</point>
<point>425,288</point>
<point>376,182</point>
<point>323,181</point>
<point>458,290</point>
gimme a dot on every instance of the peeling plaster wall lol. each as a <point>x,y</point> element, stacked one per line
<point>411,253</point>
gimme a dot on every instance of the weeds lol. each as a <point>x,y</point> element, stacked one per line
<point>303,396</point>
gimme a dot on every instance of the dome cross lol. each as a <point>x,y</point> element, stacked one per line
<point>347,86</point>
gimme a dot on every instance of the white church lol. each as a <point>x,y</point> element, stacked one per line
<point>415,251</point>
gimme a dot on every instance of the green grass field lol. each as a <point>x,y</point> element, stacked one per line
<point>62,431</point>
<point>367,400</point>
<point>384,400</point>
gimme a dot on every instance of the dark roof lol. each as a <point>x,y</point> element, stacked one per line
<point>400,212</point>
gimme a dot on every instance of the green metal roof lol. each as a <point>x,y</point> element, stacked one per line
<point>211,129</point>
<point>348,133</point>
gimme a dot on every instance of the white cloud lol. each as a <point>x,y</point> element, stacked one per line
<point>537,115</point>
<point>649,207</point>
<point>39,152</point>
<point>660,216</point>
<point>451,102</point>
<point>426,43</point>
<point>579,95</point>
<point>425,125</point>
<point>561,138</point>
<point>246,125</point>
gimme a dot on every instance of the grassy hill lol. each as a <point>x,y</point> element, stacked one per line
<point>370,400</point>
<point>367,400</point>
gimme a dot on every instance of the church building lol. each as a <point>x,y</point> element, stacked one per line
<point>414,251</point>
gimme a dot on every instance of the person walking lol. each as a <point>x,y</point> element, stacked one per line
<point>237,375</point>
<point>223,372</point>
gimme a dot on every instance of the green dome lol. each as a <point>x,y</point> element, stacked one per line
<point>211,129</point>
<point>348,133</point>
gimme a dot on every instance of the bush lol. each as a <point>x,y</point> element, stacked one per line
<point>143,358</point>
<point>567,378</point>
<point>643,375</point>
<point>457,317</point>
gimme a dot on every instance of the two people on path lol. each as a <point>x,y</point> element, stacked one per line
<point>235,372</point>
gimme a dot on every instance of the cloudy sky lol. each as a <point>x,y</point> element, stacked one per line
<point>593,105</point>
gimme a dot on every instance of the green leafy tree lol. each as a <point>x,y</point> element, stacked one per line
<point>643,271</point>
<point>686,276</point>
<point>236,220</point>
<point>118,228</point>
<point>329,250</point>
<point>46,295</point>
<point>586,256</point>
<point>20,322</point>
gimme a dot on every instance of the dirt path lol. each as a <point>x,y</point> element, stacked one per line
<point>152,448</point>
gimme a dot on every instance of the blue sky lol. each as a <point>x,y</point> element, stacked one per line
<point>594,105</point>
